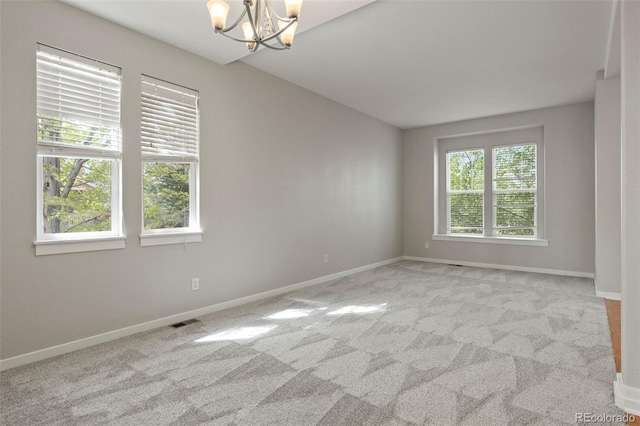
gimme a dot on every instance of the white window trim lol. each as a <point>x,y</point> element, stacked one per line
<point>44,248</point>
<point>193,233</point>
<point>165,238</point>
<point>48,244</point>
<point>470,238</point>
<point>487,141</point>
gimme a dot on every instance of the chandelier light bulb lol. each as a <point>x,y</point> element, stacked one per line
<point>218,9</point>
<point>287,35</point>
<point>248,34</point>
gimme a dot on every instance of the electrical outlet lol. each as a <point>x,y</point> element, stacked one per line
<point>195,284</point>
<point>326,258</point>
<point>426,245</point>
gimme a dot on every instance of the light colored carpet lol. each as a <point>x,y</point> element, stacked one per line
<point>408,343</point>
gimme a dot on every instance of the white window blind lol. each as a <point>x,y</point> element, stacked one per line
<point>78,101</point>
<point>169,129</point>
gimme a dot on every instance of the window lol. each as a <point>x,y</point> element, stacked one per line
<point>79,153</point>
<point>514,190</point>
<point>465,192</point>
<point>491,187</point>
<point>170,159</point>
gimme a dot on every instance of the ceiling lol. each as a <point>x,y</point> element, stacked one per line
<point>409,63</point>
<point>186,23</point>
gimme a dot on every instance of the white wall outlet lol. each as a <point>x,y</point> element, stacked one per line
<point>195,284</point>
<point>326,258</point>
<point>426,245</point>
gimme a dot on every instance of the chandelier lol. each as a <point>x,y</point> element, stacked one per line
<point>260,26</point>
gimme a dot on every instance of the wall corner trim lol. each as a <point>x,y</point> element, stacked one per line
<point>626,397</point>
<point>578,274</point>
<point>75,345</point>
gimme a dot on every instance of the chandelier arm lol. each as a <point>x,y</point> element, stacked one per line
<point>239,39</point>
<point>235,24</point>
<point>281,18</point>
<point>284,46</point>
<point>277,34</point>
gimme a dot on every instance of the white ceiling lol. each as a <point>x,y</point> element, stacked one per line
<point>410,63</point>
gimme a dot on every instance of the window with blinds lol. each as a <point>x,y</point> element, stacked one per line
<point>465,191</point>
<point>514,190</point>
<point>169,143</point>
<point>79,146</point>
<point>490,187</point>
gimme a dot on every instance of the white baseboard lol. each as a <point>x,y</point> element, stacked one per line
<point>606,294</point>
<point>626,397</point>
<point>505,267</point>
<point>64,348</point>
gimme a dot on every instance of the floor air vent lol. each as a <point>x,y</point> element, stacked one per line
<point>183,323</point>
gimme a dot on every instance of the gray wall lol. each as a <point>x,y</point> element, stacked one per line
<point>569,194</point>
<point>280,186</point>
<point>630,149</point>
<point>607,132</point>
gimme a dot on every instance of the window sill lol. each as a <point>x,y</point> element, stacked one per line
<point>492,240</point>
<point>161,239</point>
<point>47,247</point>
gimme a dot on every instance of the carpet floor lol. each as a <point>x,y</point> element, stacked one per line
<point>408,343</point>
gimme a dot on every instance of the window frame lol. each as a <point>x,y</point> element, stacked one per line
<point>193,233</point>
<point>487,141</point>
<point>50,243</point>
